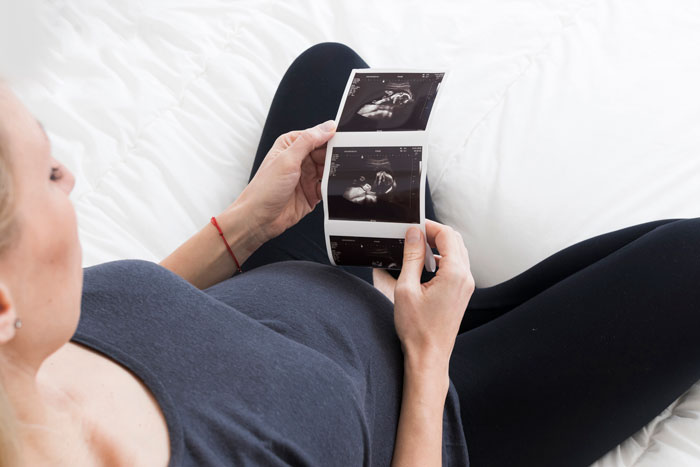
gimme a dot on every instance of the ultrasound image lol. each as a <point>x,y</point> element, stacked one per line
<point>380,184</point>
<point>386,253</point>
<point>389,101</point>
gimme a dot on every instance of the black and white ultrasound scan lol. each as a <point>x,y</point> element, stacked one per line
<point>389,101</point>
<point>375,184</point>
<point>385,253</point>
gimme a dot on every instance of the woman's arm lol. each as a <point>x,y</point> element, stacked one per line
<point>427,317</point>
<point>203,260</point>
<point>285,188</point>
<point>419,434</point>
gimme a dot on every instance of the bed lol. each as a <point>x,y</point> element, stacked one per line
<point>560,121</point>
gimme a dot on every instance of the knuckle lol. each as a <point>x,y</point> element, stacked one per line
<point>459,274</point>
<point>471,284</point>
<point>412,255</point>
<point>283,138</point>
<point>309,135</point>
<point>403,290</point>
<point>463,275</point>
<point>401,287</point>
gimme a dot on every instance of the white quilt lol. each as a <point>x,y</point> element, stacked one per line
<point>561,120</point>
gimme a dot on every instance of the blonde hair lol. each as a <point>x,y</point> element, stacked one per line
<point>9,442</point>
<point>7,199</point>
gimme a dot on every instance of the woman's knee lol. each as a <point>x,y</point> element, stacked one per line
<point>666,262</point>
<point>680,237</point>
<point>330,51</point>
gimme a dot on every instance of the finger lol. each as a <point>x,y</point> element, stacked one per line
<point>413,256</point>
<point>312,178</point>
<point>310,139</point>
<point>318,155</point>
<point>285,140</point>
<point>457,266</point>
<point>463,249</point>
<point>444,238</point>
<point>309,181</point>
<point>431,230</point>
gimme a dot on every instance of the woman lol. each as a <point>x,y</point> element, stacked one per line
<point>299,363</point>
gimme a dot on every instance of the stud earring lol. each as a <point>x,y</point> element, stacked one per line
<point>18,323</point>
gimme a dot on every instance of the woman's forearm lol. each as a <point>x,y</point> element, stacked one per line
<point>419,434</point>
<point>203,260</point>
<point>284,189</point>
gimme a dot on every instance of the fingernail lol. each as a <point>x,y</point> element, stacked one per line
<point>327,126</point>
<point>413,235</point>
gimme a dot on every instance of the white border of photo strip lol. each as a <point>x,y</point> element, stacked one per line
<point>347,228</point>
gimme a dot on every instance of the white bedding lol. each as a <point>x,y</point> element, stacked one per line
<point>560,121</point>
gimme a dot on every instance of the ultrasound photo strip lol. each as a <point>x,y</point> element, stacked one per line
<point>373,184</point>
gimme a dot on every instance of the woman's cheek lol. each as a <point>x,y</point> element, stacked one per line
<point>65,245</point>
<point>74,242</point>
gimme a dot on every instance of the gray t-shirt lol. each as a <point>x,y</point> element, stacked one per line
<point>293,363</point>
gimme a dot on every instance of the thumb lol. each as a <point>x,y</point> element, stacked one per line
<point>413,255</point>
<point>312,138</point>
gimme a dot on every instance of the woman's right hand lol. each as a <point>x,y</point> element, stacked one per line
<point>427,316</point>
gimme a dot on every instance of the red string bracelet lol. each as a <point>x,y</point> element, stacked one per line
<point>216,224</point>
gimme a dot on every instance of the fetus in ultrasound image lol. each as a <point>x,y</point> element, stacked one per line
<point>385,253</point>
<point>367,191</point>
<point>395,103</point>
<point>389,101</point>
<point>380,184</point>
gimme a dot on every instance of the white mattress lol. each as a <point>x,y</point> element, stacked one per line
<point>560,121</point>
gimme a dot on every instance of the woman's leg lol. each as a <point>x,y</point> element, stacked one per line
<point>308,94</point>
<point>491,302</point>
<point>588,346</point>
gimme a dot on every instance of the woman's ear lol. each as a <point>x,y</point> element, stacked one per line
<point>8,315</point>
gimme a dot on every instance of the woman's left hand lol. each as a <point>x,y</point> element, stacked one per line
<point>287,186</point>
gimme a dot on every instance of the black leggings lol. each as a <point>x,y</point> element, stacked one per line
<point>561,363</point>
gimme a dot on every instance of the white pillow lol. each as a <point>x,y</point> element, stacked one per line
<point>597,129</point>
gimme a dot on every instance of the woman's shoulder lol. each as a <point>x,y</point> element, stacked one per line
<point>128,271</point>
<point>139,271</point>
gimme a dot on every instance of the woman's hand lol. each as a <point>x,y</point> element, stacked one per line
<point>287,186</point>
<point>427,316</point>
